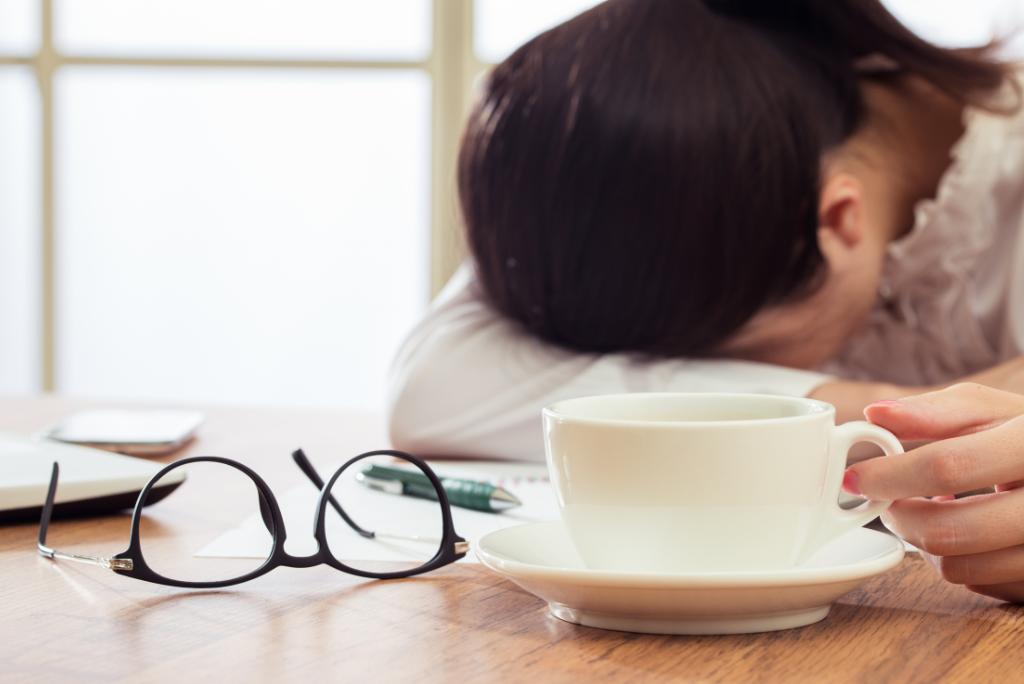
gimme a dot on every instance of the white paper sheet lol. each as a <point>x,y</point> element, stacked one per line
<point>408,515</point>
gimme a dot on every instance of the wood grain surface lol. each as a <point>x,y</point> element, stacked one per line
<point>62,622</point>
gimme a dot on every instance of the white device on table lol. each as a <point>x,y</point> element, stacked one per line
<point>91,481</point>
<point>140,432</point>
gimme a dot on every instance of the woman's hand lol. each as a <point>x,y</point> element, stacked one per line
<point>975,440</point>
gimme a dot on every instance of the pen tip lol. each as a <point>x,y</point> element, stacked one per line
<point>502,500</point>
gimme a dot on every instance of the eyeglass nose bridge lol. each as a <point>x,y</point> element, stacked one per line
<point>290,561</point>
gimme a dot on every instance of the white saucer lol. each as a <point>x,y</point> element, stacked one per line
<point>540,558</point>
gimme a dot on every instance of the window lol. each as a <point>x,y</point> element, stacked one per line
<point>228,200</point>
<point>239,231</point>
<point>214,210</point>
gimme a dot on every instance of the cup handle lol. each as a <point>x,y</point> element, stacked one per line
<point>835,520</point>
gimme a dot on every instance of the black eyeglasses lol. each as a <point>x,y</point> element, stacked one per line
<point>412,533</point>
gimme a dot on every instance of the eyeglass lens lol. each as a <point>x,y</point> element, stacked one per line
<point>219,498</point>
<point>396,510</point>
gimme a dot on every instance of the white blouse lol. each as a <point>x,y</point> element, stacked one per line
<point>468,382</point>
<point>952,294</point>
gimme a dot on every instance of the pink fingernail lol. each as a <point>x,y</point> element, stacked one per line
<point>850,482</point>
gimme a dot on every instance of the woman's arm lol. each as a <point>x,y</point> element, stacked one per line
<point>850,398</point>
<point>1008,376</point>
<point>468,382</point>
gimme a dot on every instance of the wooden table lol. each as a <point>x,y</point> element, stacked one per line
<point>63,622</point>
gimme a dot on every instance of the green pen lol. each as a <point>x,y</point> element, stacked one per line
<point>479,496</point>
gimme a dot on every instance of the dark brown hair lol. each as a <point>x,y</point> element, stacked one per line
<point>645,177</point>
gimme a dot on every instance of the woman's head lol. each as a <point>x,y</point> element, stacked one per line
<point>649,175</point>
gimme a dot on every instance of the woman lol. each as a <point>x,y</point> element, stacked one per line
<point>791,197</point>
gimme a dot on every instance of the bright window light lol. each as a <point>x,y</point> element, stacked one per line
<point>19,26</point>
<point>19,233</point>
<point>240,236</point>
<point>504,25</point>
<point>354,29</point>
<point>956,23</point>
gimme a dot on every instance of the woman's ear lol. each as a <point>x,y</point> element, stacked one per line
<point>841,213</point>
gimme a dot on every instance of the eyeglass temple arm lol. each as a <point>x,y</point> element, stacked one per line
<point>301,460</point>
<point>53,554</point>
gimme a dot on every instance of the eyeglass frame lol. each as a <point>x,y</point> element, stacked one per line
<point>131,562</point>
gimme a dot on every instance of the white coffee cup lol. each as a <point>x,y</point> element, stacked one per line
<point>703,482</point>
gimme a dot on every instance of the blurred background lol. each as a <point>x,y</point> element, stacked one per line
<point>251,201</point>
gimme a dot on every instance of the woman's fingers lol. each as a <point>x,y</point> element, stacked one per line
<point>989,568</point>
<point>949,466</point>
<point>957,410</point>
<point>975,525</point>
<point>1012,592</point>
<point>977,436</point>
